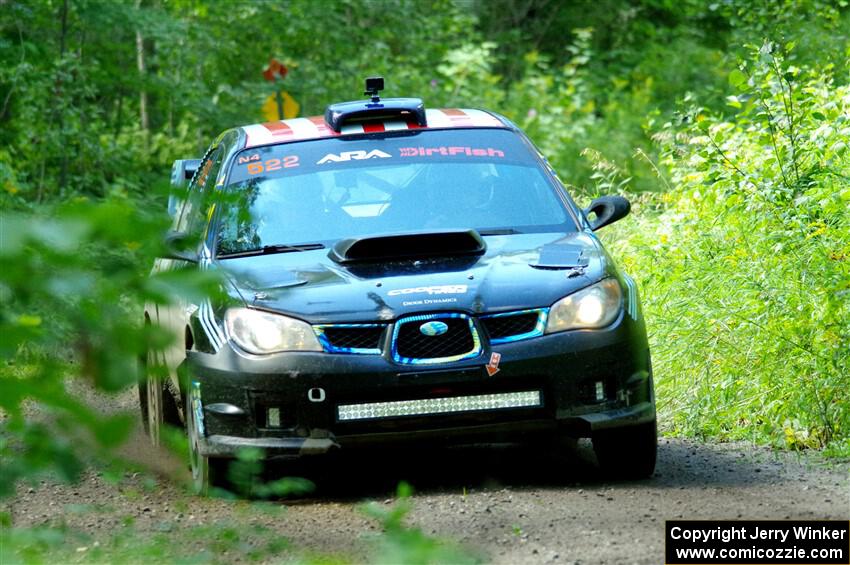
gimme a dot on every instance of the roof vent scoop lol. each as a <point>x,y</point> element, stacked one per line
<point>407,246</point>
<point>408,109</point>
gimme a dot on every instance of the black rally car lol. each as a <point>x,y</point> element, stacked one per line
<point>396,273</point>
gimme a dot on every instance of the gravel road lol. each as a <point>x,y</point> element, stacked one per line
<point>506,503</point>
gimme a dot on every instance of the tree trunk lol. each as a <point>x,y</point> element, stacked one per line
<point>60,118</point>
<point>64,33</point>
<point>140,62</point>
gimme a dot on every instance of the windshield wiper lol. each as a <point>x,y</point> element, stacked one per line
<point>272,249</point>
<point>499,231</point>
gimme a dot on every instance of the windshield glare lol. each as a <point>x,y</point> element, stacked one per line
<point>435,180</point>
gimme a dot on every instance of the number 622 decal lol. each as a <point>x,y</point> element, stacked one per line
<point>273,165</point>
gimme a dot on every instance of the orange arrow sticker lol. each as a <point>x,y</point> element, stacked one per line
<point>493,366</point>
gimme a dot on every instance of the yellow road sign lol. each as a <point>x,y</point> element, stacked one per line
<point>270,106</point>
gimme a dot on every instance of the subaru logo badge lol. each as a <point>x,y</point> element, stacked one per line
<point>433,328</point>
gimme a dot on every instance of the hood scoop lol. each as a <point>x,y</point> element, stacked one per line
<point>560,256</point>
<point>409,245</point>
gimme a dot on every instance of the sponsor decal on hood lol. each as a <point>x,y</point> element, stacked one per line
<point>440,289</point>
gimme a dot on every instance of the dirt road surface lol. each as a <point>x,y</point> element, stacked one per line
<point>507,504</point>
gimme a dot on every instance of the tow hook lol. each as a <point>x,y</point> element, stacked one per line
<point>316,395</point>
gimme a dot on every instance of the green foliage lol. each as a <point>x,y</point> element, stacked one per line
<point>71,89</point>
<point>577,76</point>
<point>745,264</point>
<point>72,285</point>
<point>245,474</point>
<point>221,541</point>
<point>401,544</point>
<point>215,543</point>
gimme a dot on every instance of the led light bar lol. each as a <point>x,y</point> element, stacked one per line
<point>448,404</point>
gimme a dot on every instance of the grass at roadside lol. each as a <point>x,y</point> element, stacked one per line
<point>744,263</point>
<point>216,543</point>
<point>241,531</point>
<point>744,347</point>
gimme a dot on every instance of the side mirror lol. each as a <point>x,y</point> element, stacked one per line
<point>177,247</point>
<point>607,210</point>
<point>182,172</point>
<point>174,204</point>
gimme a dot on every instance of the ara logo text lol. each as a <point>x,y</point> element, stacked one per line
<point>353,155</point>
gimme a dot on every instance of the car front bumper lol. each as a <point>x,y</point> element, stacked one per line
<point>294,404</point>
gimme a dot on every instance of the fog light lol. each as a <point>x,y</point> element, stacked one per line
<point>273,418</point>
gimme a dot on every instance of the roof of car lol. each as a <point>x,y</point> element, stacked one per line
<point>300,129</point>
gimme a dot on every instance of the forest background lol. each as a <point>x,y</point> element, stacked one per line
<point>726,123</point>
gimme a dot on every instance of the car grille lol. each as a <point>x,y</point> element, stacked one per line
<point>513,326</point>
<point>409,345</point>
<point>459,341</point>
<point>351,338</point>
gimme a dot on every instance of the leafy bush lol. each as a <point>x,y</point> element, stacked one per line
<point>73,280</point>
<point>745,263</point>
<point>400,543</point>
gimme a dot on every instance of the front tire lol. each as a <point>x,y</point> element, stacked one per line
<point>207,472</point>
<point>627,453</point>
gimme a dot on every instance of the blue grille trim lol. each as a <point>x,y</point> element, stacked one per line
<point>539,327</point>
<point>539,330</point>
<point>476,339</point>
<point>330,348</point>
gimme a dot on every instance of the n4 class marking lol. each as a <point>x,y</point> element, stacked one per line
<point>249,158</point>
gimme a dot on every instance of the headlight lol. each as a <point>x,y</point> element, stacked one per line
<point>261,332</point>
<point>594,307</point>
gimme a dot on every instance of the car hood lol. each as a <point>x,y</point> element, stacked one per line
<point>517,271</point>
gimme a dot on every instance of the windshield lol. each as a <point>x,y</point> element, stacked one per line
<point>325,190</point>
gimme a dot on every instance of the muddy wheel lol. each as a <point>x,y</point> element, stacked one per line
<point>207,472</point>
<point>156,402</point>
<point>627,453</point>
